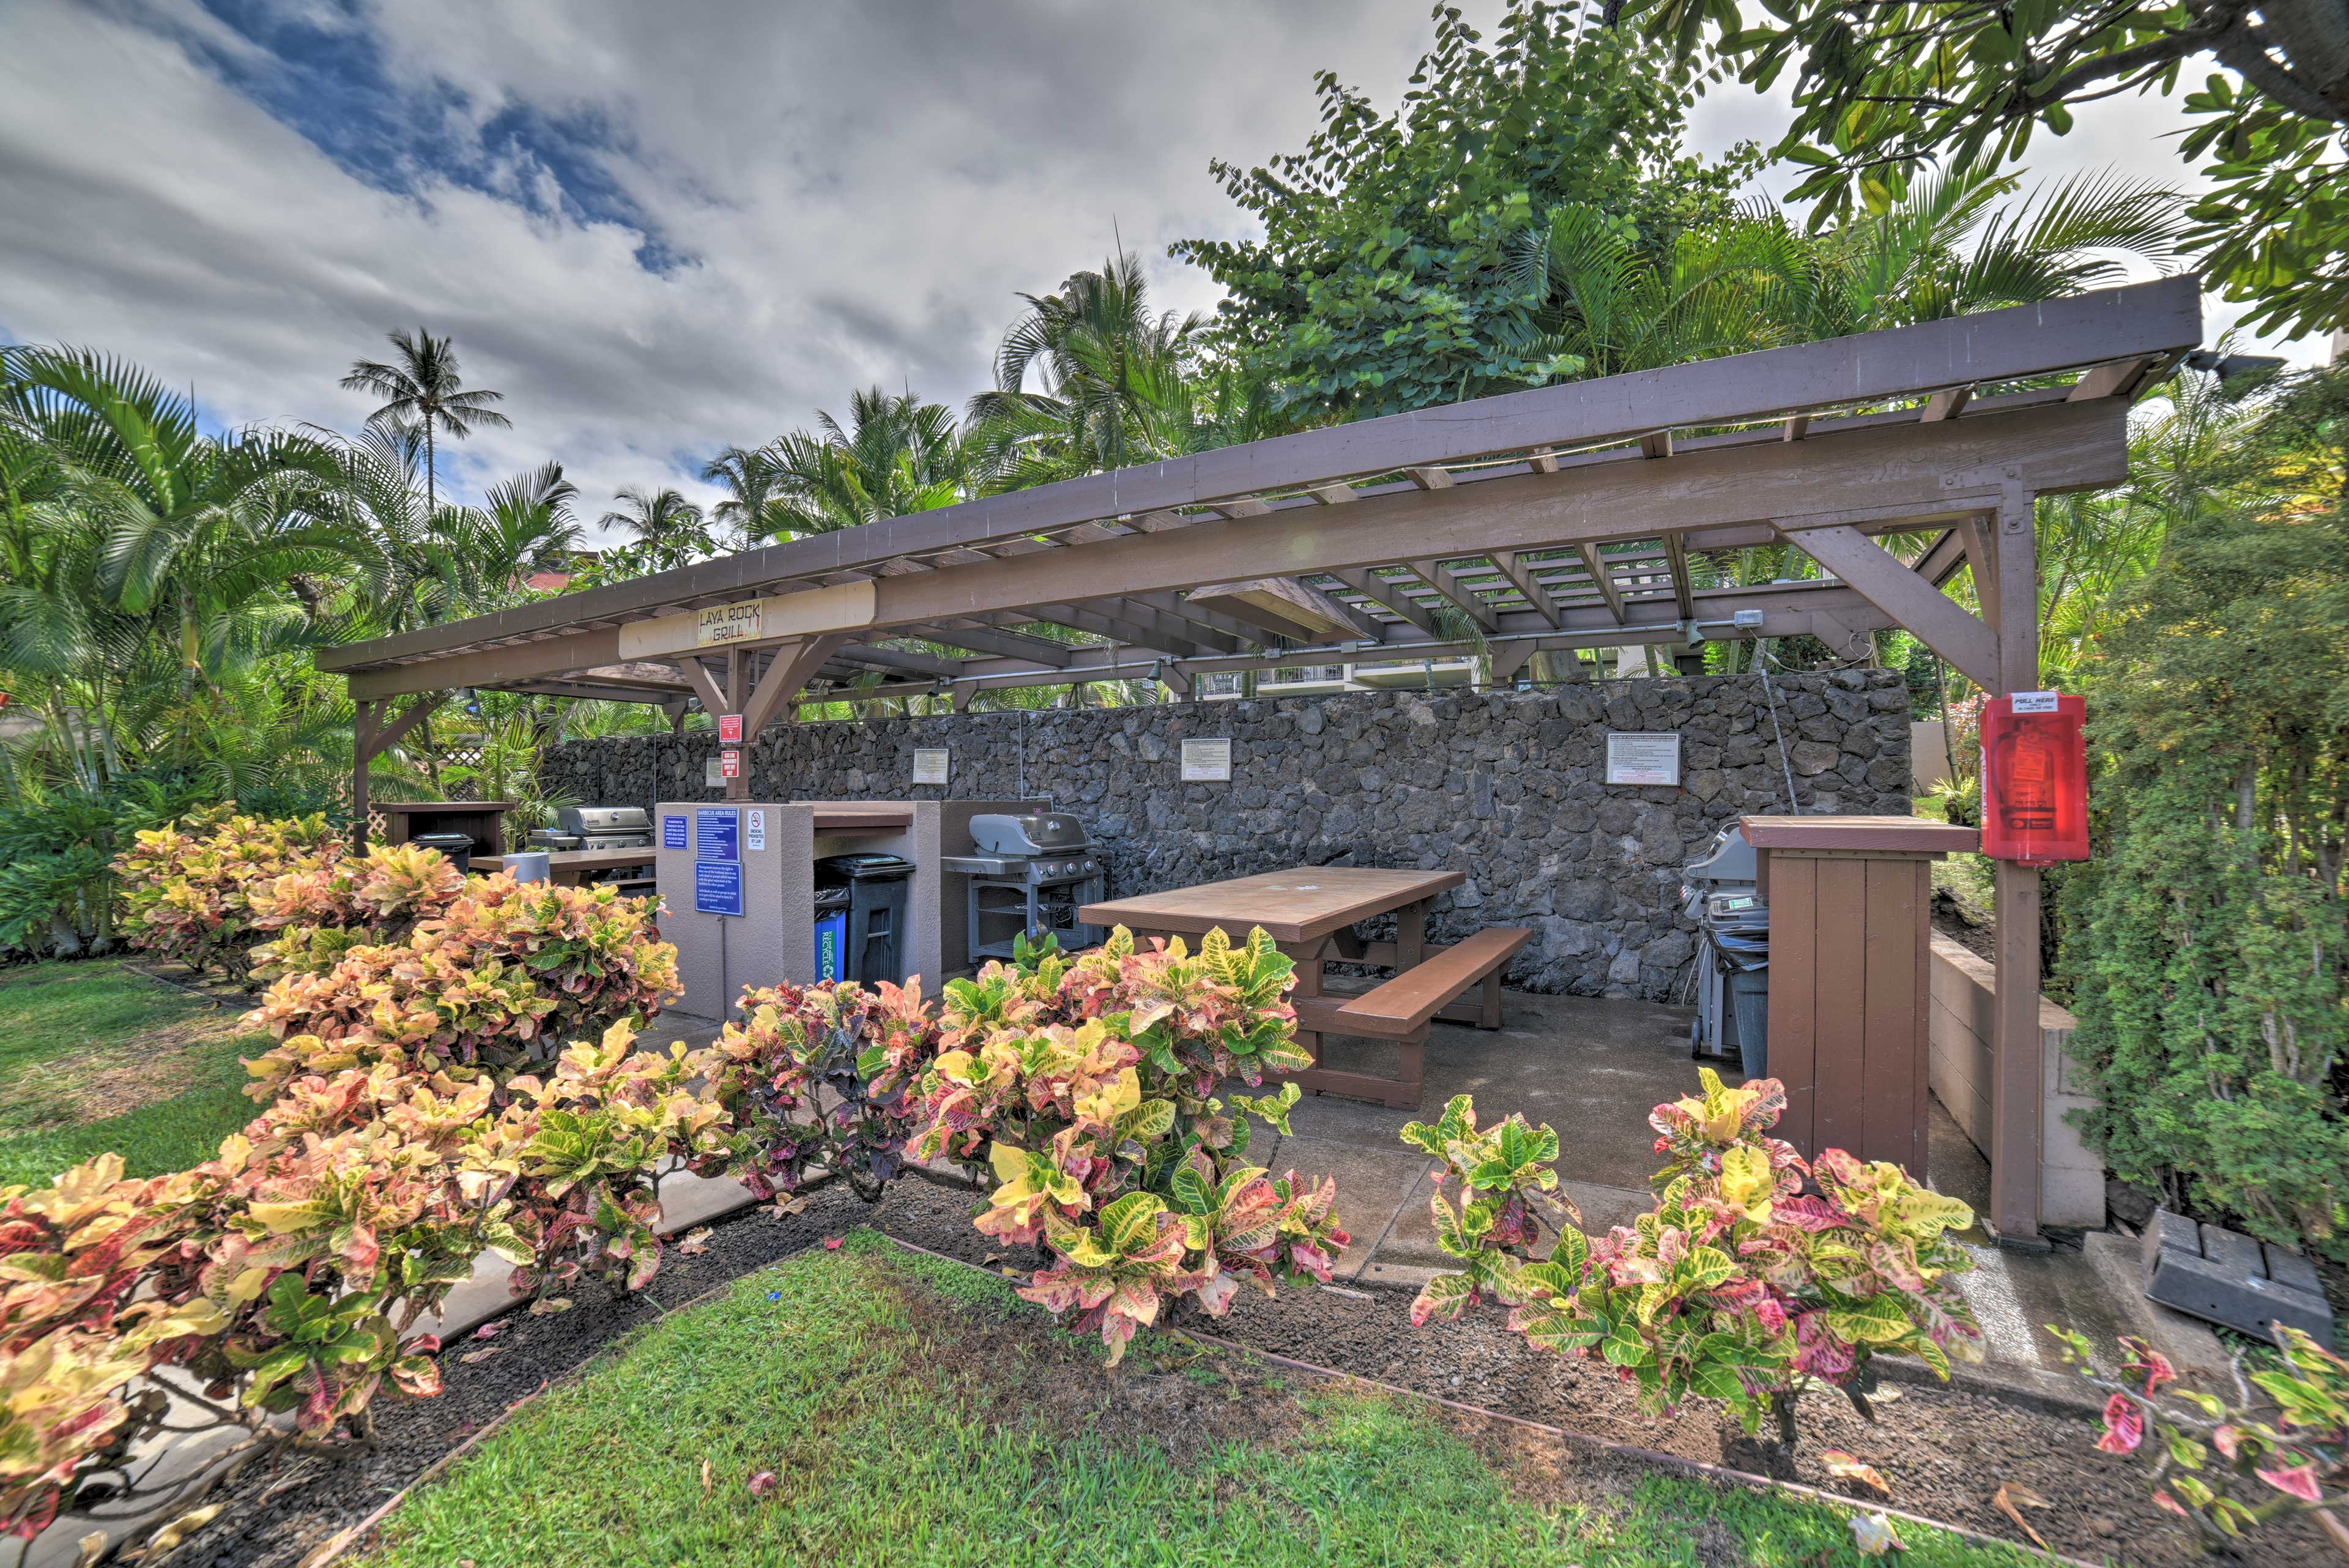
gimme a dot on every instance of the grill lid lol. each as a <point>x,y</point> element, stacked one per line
<point>1035,833</point>
<point>603,820</point>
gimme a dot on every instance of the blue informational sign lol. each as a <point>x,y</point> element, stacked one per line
<point>718,887</point>
<point>673,833</point>
<point>716,833</point>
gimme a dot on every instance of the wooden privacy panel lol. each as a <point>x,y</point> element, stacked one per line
<point>1848,946</point>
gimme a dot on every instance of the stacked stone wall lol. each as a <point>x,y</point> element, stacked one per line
<point>1507,786</point>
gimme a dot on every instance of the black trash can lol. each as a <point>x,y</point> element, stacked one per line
<point>877,885</point>
<point>457,846</point>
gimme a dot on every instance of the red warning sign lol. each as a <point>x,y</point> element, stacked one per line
<point>729,730</point>
<point>729,764</point>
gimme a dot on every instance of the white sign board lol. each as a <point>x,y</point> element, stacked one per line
<point>758,827</point>
<point>930,764</point>
<point>728,623</point>
<point>1643,759</point>
<point>2034,702</point>
<point>1207,761</point>
<point>713,773</point>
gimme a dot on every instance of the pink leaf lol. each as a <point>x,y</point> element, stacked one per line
<point>2124,1426</point>
<point>2164,1501</point>
<point>763,1482</point>
<point>2228,1440</point>
<point>2300,1480</point>
<point>832,1243</point>
<point>489,1331</point>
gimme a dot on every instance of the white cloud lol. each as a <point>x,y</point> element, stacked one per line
<point>857,193</point>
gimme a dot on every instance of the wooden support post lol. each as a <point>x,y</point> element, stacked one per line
<point>2016,1085</point>
<point>362,754</point>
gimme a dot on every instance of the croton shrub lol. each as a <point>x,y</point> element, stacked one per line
<point>2227,1469</point>
<point>188,887</point>
<point>821,1076</point>
<point>1757,1275</point>
<point>238,894</point>
<point>491,984</point>
<point>1083,1089</point>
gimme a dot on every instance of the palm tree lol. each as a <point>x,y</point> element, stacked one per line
<point>1113,381</point>
<point>753,482</point>
<point>1753,281</point>
<point>424,391</point>
<point>894,455</point>
<point>667,528</point>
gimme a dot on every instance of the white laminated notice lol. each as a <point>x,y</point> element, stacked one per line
<point>1643,759</point>
<point>2034,702</point>
<point>758,827</point>
<point>1207,761</point>
<point>929,764</point>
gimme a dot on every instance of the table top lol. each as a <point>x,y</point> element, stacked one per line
<point>585,859</point>
<point>412,805</point>
<point>851,815</point>
<point>1884,835</point>
<point>1298,905</point>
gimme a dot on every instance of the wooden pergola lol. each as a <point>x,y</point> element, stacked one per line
<point>1558,518</point>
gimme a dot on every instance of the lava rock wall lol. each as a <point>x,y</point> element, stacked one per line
<point>1508,786</point>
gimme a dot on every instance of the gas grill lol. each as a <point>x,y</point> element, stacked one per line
<point>597,828</point>
<point>1721,894</point>
<point>1031,873</point>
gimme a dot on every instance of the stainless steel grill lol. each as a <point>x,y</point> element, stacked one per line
<point>1031,873</point>
<point>597,828</point>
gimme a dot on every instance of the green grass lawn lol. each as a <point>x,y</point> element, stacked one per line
<point>917,1413</point>
<point>95,1058</point>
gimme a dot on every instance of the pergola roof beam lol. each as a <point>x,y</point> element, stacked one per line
<point>2141,322</point>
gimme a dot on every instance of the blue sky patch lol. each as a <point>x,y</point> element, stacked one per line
<point>321,71</point>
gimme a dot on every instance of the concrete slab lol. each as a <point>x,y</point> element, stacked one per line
<point>1373,1185</point>
<point>1591,1067</point>
<point>2118,1264</point>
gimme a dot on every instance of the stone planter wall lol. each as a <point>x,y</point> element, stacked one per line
<point>1507,786</point>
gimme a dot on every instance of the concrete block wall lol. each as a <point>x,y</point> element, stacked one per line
<point>1964,991</point>
<point>1508,786</point>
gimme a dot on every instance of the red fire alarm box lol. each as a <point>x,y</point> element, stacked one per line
<point>729,764</point>
<point>2034,778</point>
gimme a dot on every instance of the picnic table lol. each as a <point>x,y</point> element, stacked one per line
<point>571,867</point>
<point>1310,912</point>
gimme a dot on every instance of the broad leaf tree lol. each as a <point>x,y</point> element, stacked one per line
<point>1383,279</point>
<point>1882,91</point>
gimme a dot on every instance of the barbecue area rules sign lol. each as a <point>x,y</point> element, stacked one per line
<point>716,833</point>
<point>1207,761</point>
<point>730,729</point>
<point>1643,759</point>
<point>930,764</point>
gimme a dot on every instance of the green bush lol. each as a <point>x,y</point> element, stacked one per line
<point>2206,945</point>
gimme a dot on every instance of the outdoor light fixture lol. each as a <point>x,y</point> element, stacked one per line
<point>2034,772</point>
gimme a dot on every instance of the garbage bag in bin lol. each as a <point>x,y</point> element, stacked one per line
<point>832,933</point>
<point>457,846</point>
<point>873,939</point>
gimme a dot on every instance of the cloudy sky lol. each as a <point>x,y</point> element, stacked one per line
<point>658,229</point>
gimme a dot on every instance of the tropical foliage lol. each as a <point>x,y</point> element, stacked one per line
<point>1883,93</point>
<point>2208,942</point>
<point>1738,1286</point>
<point>2229,1468</point>
<point>1084,1087</point>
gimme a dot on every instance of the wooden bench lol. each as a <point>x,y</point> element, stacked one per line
<point>1401,1010</point>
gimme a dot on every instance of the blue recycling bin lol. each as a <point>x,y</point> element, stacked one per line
<point>831,934</point>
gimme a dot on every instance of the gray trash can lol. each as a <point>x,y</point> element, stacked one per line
<point>876,886</point>
<point>457,846</point>
<point>1749,1000</point>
